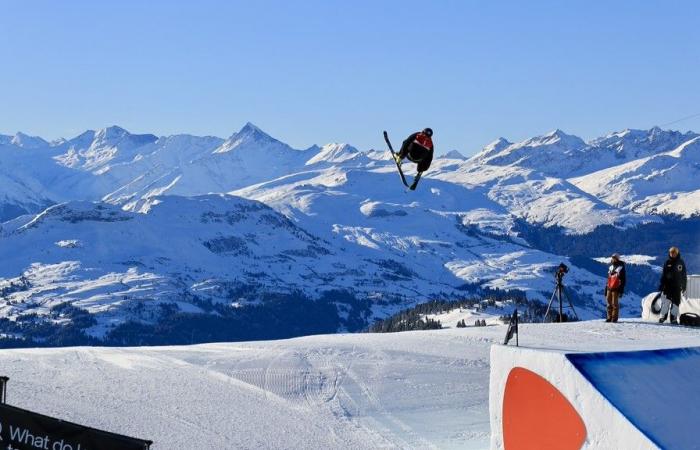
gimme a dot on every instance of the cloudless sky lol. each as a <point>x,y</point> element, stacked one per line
<point>313,71</point>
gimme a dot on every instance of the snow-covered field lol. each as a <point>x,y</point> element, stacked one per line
<point>405,390</point>
<point>450,318</point>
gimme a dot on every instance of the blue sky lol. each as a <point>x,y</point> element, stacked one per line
<point>319,71</point>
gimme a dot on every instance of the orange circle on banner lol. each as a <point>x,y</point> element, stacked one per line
<point>536,416</point>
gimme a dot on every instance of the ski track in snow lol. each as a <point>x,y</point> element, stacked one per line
<point>404,390</point>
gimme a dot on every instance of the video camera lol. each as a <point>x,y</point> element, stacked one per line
<point>562,270</point>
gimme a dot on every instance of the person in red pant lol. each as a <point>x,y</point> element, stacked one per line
<point>615,287</point>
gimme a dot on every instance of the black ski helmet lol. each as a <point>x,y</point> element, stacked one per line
<point>428,131</point>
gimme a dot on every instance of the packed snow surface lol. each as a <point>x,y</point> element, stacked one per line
<point>405,390</point>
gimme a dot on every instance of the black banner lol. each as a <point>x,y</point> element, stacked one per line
<point>25,430</point>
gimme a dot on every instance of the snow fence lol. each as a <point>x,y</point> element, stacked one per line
<point>548,399</point>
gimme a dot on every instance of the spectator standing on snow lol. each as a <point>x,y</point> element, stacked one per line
<point>674,280</point>
<point>615,287</point>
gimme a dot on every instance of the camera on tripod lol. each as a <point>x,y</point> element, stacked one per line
<point>559,294</point>
<point>562,270</point>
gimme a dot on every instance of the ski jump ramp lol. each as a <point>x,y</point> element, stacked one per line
<point>552,399</point>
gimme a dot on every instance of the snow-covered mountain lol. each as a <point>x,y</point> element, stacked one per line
<point>97,150</point>
<point>541,152</point>
<point>140,223</point>
<point>562,155</point>
<point>22,140</point>
<point>629,144</point>
<point>662,183</point>
<point>218,249</point>
<point>453,154</point>
<point>108,261</point>
<point>113,165</point>
<point>337,153</point>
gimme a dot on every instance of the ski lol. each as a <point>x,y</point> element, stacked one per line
<point>415,181</point>
<point>398,166</point>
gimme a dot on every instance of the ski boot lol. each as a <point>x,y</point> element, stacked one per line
<point>662,320</point>
<point>397,159</point>
<point>674,321</point>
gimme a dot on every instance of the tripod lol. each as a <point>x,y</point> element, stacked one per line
<point>559,293</point>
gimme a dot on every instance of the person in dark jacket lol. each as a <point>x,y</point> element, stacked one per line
<point>418,148</point>
<point>615,287</point>
<point>674,280</point>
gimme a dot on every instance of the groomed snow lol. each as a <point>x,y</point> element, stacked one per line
<point>405,390</point>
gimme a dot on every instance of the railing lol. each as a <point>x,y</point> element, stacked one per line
<point>693,289</point>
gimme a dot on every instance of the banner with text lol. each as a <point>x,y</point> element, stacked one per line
<point>23,430</point>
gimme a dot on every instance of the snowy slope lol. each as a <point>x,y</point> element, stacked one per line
<point>109,261</point>
<point>431,230</point>
<point>662,183</point>
<point>535,197</point>
<point>406,390</point>
<point>117,264</point>
<point>21,190</point>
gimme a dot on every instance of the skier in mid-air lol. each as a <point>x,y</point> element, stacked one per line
<point>418,148</point>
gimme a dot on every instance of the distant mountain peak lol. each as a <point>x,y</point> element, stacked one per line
<point>251,127</point>
<point>313,149</point>
<point>497,145</point>
<point>251,131</point>
<point>25,141</point>
<point>111,132</point>
<point>114,135</point>
<point>251,135</point>
<point>560,134</point>
<point>555,137</point>
<point>641,143</point>
<point>334,153</point>
<point>454,154</point>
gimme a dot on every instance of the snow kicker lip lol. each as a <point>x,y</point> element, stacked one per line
<point>644,399</point>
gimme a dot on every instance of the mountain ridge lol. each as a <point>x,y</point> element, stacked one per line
<point>86,221</point>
